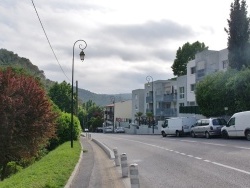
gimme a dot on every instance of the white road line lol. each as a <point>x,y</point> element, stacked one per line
<point>177,152</point>
<point>225,166</point>
<point>241,147</point>
<point>207,161</point>
<point>198,158</point>
<point>188,141</point>
<point>214,144</point>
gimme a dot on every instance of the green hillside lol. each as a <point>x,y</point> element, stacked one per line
<point>8,58</point>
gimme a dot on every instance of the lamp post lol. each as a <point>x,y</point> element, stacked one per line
<point>82,54</point>
<point>148,78</point>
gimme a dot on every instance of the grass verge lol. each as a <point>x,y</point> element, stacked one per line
<point>52,171</point>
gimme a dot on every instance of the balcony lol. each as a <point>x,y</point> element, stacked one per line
<point>167,112</point>
<point>166,97</point>
<point>149,99</point>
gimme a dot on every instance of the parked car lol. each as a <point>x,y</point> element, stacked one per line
<point>99,130</point>
<point>108,130</point>
<point>237,126</point>
<point>120,130</point>
<point>208,127</point>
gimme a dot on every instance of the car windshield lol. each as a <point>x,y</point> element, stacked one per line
<point>219,122</point>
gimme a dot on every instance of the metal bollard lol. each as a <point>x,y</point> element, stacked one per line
<point>89,136</point>
<point>124,165</point>
<point>134,176</point>
<point>117,162</point>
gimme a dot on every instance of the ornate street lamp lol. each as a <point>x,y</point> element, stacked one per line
<point>148,78</point>
<point>82,55</point>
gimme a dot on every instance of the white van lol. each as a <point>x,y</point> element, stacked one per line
<point>177,126</point>
<point>237,126</point>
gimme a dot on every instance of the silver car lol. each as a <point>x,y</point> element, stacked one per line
<point>208,127</point>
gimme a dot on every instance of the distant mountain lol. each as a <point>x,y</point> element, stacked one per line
<point>102,99</point>
<point>8,58</point>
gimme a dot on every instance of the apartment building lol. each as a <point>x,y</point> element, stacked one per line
<point>170,98</point>
<point>118,114</point>
<point>162,100</point>
<point>138,97</point>
<point>205,63</point>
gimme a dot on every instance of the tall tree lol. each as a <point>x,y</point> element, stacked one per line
<point>238,35</point>
<point>184,54</point>
<point>27,120</point>
<point>60,94</point>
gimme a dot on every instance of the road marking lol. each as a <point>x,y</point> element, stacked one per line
<point>241,147</point>
<point>225,166</point>
<point>191,156</point>
<point>214,144</point>
<point>198,158</point>
<point>188,141</point>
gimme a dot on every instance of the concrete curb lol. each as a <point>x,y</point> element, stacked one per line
<point>108,151</point>
<point>111,155</point>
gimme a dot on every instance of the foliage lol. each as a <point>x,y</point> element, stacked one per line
<point>224,89</point>
<point>210,92</point>
<point>60,94</point>
<point>184,54</point>
<point>26,117</point>
<point>91,115</point>
<point>138,116</point>
<point>238,36</point>
<point>64,129</point>
<point>9,59</point>
<point>53,170</point>
<point>239,86</point>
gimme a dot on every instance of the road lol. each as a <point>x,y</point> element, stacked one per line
<point>178,162</point>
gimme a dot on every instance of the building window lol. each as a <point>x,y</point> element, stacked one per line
<point>225,64</point>
<point>192,87</point>
<point>193,70</point>
<point>136,96</point>
<point>182,92</point>
<point>181,104</point>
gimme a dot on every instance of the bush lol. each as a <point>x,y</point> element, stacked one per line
<point>64,130</point>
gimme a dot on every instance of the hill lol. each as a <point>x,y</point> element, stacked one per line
<point>8,58</point>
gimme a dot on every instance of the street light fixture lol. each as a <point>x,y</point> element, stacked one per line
<point>82,55</point>
<point>148,78</point>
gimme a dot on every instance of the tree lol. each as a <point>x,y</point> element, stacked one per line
<point>211,94</point>
<point>185,54</point>
<point>27,120</point>
<point>138,116</point>
<point>239,88</point>
<point>238,36</point>
<point>60,94</point>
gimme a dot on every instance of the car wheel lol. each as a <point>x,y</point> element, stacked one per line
<point>178,134</point>
<point>193,134</point>
<point>248,135</point>
<point>207,135</point>
<point>224,134</point>
<point>163,134</point>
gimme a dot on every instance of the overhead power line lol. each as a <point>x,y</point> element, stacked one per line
<point>48,40</point>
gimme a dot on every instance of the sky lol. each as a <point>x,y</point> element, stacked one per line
<point>127,40</point>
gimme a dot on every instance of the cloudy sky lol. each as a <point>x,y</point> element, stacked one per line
<point>127,40</point>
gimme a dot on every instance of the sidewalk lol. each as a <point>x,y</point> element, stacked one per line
<point>95,169</point>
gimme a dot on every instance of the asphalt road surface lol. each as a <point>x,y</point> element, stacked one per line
<point>178,162</point>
